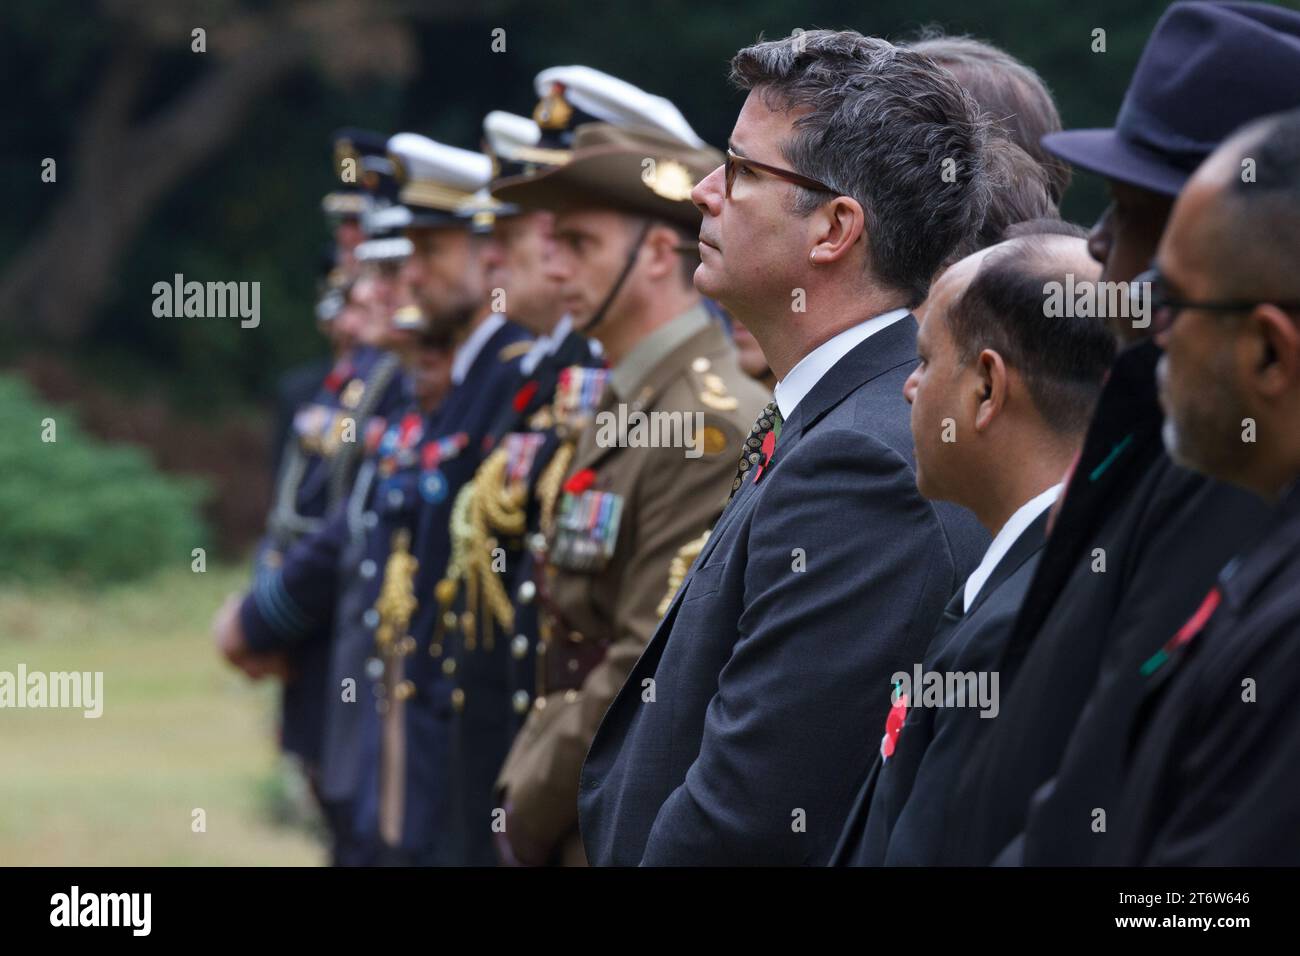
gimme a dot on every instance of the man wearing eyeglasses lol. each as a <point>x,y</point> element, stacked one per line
<point>744,730</point>
<point>1136,540</point>
<point>1212,776</point>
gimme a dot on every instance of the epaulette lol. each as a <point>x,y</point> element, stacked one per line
<point>681,563</point>
<point>515,350</point>
<point>711,389</point>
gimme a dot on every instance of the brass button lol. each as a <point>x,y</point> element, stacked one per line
<point>449,666</point>
<point>520,701</point>
<point>700,365</point>
<point>467,622</point>
<point>527,591</point>
<point>575,637</point>
<point>519,647</point>
<point>539,703</point>
<point>406,645</point>
<point>458,700</point>
<point>573,665</point>
<point>435,650</point>
<point>449,620</point>
<point>570,696</point>
<point>404,691</point>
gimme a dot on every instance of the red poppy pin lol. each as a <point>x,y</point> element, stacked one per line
<point>893,724</point>
<point>580,481</point>
<point>525,395</point>
<point>769,446</point>
<point>340,373</point>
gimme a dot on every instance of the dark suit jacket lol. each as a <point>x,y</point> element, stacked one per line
<point>1163,533</point>
<point>1213,769</point>
<point>901,811</point>
<point>745,727</point>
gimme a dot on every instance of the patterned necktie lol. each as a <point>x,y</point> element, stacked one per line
<point>768,420</point>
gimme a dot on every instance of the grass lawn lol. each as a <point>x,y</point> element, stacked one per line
<point>179,731</point>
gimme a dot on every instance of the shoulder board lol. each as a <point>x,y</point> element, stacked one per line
<point>710,388</point>
<point>515,350</point>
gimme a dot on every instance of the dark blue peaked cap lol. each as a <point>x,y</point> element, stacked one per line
<point>374,171</point>
<point>1207,69</point>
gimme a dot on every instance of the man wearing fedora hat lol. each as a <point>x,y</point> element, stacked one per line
<point>1136,539</point>
<point>616,511</point>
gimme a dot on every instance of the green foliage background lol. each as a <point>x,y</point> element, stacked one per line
<point>252,213</point>
<point>81,511</point>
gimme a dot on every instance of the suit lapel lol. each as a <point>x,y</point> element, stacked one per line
<point>872,357</point>
<point>1021,550</point>
<point>869,359</point>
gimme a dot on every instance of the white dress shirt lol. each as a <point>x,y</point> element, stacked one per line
<point>1006,537</point>
<point>473,344</point>
<point>789,392</point>
<point>546,345</point>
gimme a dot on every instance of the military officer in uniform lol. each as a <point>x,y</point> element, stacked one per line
<point>613,519</point>
<point>402,793</point>
<point>320,458</point>
<point>411,454</point>
<point>488,634</point>
<point>479,639</point>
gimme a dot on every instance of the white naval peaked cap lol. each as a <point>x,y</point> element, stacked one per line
<point>518,146</point>
<point>507,132</point>
<point>436,175</point>
<point>614,101</point>
<point>392,249</point>
<point>385,220</point>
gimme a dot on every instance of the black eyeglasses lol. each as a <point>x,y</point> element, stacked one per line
<point>1165,307</point>
<point>734,162</point>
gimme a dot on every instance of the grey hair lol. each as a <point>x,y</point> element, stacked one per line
<point>877,124</point>
<point>1016,102</point>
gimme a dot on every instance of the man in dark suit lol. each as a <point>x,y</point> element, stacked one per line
<point>1212,774</point>
<point>743,732</point>
<point>1000,402</point>
<point>1137,539</point>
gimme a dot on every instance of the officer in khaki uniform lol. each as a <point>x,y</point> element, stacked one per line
<point>488,634</point>
<point>636,490</point>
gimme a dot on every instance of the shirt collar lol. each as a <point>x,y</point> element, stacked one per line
<point>473,345</point>
<point>545,345</point>
<point>628,375</point>
<point>1007,535</point>
<point>799,381</point>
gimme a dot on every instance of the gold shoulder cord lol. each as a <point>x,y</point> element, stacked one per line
<point>682,562</point>
<point>446,590</point>
<point>396,601</point>
<point>491,507</point>
<point>549,483</point>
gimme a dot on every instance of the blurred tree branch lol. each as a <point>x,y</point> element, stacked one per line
<point>124,165</point>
